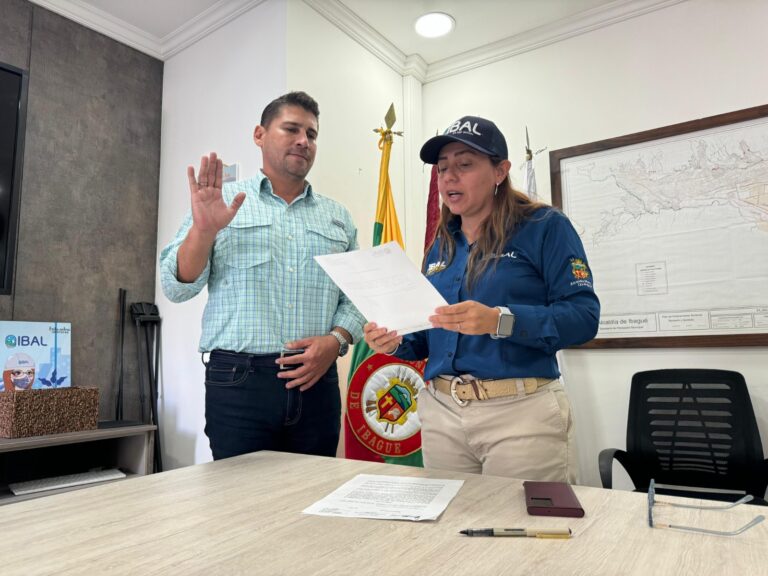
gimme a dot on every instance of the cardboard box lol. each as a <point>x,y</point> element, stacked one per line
<point>35,355</point>
<point>40,412</point>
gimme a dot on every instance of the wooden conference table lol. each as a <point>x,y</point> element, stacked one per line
<point>243,516</point>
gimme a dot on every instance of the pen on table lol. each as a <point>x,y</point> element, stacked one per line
<point>530,532</point>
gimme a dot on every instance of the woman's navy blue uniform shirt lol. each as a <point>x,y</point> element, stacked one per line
<point>542,276</point>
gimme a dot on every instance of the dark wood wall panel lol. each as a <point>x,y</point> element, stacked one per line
<point>88,218</point>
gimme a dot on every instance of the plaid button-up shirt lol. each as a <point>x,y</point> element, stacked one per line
<point>264,286</point>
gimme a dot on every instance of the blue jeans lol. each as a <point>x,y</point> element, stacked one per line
<point>248,408</point>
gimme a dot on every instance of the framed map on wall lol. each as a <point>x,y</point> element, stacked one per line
<point>675,224</point>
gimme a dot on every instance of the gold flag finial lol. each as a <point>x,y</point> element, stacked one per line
<point>389,118</point>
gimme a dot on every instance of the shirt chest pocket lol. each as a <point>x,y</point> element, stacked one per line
<point>246,249</point>
<point>321,239</point>
<point>325,238</point>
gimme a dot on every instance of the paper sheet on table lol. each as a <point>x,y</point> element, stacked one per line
<point>385,286</point>
<point>388,498</point>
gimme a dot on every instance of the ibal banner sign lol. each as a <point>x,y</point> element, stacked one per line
<point>35,355</point>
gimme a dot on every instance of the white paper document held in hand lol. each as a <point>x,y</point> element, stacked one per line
<point>385,286</point>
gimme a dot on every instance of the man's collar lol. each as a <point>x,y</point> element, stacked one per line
<point>265,186</point>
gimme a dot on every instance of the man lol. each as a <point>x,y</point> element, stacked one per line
<point>274,323</point>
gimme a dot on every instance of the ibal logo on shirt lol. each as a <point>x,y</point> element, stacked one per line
<point>512,254</point>
<point>466,127</point>
<point>435,267</point>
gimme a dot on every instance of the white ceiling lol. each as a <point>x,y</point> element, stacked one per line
<point>486,30</point>
<point>478,22</point>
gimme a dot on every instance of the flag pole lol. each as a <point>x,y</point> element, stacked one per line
<point>371,432</point>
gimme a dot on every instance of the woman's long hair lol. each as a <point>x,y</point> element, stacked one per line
<point>510,208</point>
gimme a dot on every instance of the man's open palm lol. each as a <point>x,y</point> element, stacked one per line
<point>209,211</point>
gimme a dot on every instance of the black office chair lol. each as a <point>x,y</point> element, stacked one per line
<point>691,428</point>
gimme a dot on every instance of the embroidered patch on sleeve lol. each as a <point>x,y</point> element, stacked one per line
<point>579,269</point>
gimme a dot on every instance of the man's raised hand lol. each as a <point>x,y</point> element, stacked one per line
<point>209,211</point>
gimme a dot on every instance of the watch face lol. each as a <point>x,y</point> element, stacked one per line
<point>343,344</point>
<point>506,324</point>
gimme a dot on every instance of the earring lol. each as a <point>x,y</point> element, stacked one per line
<point>496,190</point>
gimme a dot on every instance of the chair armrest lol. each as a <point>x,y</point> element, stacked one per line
<point>605,461</point>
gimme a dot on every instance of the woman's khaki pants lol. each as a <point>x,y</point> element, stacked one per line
<point>529,437</point>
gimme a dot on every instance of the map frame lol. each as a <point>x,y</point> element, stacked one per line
<point>556,178</point>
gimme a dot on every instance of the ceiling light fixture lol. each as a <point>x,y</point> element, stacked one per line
<point>434,24</point>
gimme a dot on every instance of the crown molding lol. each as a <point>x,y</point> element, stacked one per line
<point>415,66</point>
<point>205,23</point>
<point>360,31</point>
<point>105,23</point>
<point>160,48</point>
<point>356,28</point>
<point>365,35</point>
<point>587,21</point>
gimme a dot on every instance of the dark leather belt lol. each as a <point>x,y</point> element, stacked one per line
<point>244,358</point>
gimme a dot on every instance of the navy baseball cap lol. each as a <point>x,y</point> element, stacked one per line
<point>475,132</point>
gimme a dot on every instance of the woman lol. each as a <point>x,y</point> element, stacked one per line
<point>519,289</point>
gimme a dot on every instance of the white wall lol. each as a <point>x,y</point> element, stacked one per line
<point>688,61</point>
<point>213,95</point>
<point>354,90</point>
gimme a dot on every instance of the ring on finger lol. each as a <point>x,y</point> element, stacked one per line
<point>458,326</point>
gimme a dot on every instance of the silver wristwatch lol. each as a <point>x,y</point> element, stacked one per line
<point>343,344</point>
<point>506,323</point>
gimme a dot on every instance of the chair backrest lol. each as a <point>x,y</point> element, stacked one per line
<point>694,427</point>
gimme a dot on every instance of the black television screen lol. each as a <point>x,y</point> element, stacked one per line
<point>13,92</point>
